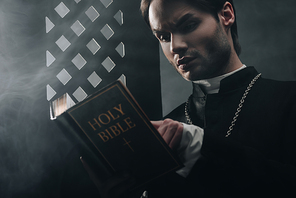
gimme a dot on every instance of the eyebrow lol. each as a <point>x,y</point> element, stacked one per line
<point>177,24</point>
<point>183,19</point>
<point>155,32</point>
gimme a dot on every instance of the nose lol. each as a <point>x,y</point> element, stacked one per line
<point>178,44</point>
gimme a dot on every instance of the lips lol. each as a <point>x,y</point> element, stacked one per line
<point>184,62</point>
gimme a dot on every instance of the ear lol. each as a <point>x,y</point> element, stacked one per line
<point>227,16</point>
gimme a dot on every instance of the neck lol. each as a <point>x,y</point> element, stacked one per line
<point>233,63</point>
<point>212,85</point>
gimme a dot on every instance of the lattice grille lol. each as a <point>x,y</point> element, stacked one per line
<point>82,50</point>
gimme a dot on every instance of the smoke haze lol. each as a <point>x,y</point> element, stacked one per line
<point>31,148</point>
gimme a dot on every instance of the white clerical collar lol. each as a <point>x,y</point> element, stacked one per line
<point>212,85</point>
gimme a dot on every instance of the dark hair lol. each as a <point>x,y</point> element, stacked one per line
<point>210,6</point>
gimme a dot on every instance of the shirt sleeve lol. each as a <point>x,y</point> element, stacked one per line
<point>190,146</point>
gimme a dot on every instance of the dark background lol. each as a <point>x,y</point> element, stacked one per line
<point>266,32</point>
<point>31,148</point>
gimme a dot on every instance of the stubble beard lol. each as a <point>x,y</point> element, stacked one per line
<point>214,62</point>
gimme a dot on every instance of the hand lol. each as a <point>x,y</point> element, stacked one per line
<point>114,187</point>
<point>170,130</point>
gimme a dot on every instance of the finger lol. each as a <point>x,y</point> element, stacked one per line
<point>157,124</point>
<point>162,129</point>
<point>170,130</point>
<point>160,126</point>
<point>176,139</point>
<point>173,133</point>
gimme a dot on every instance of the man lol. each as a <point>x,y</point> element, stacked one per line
<point>236,134</point>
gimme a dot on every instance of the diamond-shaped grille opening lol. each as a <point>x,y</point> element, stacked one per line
<point>63,43</point>
<point>119,17</point>
<point>49,58</point>
<point>94,79</point>
<point>79,61</point>
<point>77,1</point>
<point>79,94</point>
<point>93,46</point>
<point>78,28</point>
<point>107,31</point>
<point>48,25</point>
<point>62,10</point>
<point>106,3</point>
<point>64,76</point>
<point>92,13</point>
<point>70,102</point>
<point>50,92</point>
<point>108,64</point>
<point>120,49</point>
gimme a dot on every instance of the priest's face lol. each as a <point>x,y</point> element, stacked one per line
<point>193,41</point>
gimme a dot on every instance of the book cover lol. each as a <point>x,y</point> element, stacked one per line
<point>113,126</point>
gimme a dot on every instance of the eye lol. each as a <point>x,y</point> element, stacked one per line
<point>189,27</point>
<point>164,37</point>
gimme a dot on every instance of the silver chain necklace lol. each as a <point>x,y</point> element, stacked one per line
<point>238,110</point>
